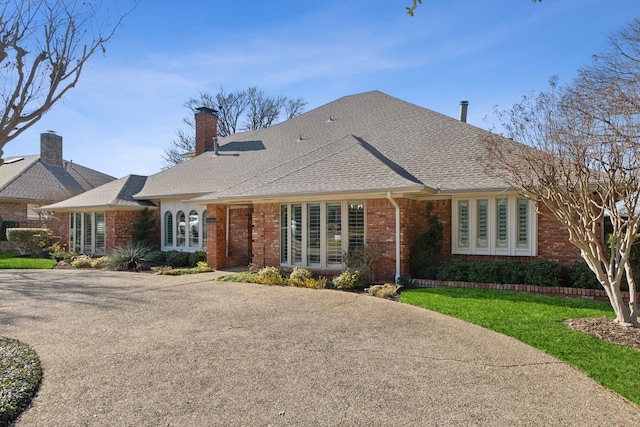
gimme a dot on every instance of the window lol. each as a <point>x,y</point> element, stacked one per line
<point>184,227</point>
<point>498,226</point>
<point>181,229</point>
<point>314,234</point>
<point>333,242</point>
<point>194,228</point>
<point>87,232</point>
<point>168,229</point>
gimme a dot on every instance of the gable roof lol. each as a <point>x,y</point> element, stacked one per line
<point>30,179</point>
<point>116,194</point>
<point>359,143</point>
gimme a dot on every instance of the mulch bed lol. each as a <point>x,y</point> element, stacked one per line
<point>606,329</point>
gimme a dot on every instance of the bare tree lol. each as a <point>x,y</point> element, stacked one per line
<point>44,45</point>
<point>581,160</point>
<point>411,9</point>
<point>252,106</point>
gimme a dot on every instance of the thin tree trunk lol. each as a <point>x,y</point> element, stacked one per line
<point>633,304</point>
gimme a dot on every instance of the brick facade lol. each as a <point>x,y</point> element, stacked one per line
<point>118,227</point>
<point>265,236</point>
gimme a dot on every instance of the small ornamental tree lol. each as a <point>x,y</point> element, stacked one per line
<point>580,158</point>
<point>145,228</point>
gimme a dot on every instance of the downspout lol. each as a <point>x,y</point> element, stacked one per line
<point>227,234</point>
<point>395,205</point>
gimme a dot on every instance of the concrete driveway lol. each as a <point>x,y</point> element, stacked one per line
<point>126,349</point>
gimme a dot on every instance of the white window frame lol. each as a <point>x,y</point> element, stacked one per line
<point>173,208</point>
<point>344,233</point>
<point>79,217</point>
<point>511,249</point>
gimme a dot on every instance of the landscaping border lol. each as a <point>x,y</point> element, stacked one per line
<point>576,293</point>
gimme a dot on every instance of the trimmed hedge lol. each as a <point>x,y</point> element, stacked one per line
<point>539,273</point>
<point>28,241</point>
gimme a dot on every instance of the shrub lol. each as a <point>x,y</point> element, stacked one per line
<point>4,226</point>
<point>144,228</point>
<point>130,256</point>
<point>303,278</point>
<point>269,276</point>
<point>547,273</point>
<point>197,257</point>
<point>484,272</point>
<point>81,261</point>
<point>100,262</point>
<point>156,258</point>
<point>28,241</point>
<point>57,252</point>
<point>455,271</point>
<point>21,374</point>
<point>428,247</point>
<point>582,277</point>
<point>177,259</point>
<point>364,258</point>
<point>201,267</point>
<point>351,278</point>
<point>388,290</point>
<point>512,272</point>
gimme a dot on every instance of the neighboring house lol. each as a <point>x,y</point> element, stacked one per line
<point>359,170</point>
<point>29,182</point>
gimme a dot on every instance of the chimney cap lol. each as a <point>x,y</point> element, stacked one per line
<point>206,110</point>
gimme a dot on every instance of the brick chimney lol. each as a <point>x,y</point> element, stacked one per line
<point>51,148</point>
<point>206,129</point>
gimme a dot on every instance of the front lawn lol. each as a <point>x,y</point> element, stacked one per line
<point>538,321</point>
<point>8,261</point>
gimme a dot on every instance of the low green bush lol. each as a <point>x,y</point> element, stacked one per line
<point>57,252</point>
<point>20,377</point>
<point>454,271</point>
<point>177,259</point>
<point>303,278</point>
<point>351,278</point>
<point>197,257</point>
<point>547,273</point>
<point>157,258</point>
<point>512,272</point>
<point>484,272</point>
<point>582,277</point>
<point>201,267</point>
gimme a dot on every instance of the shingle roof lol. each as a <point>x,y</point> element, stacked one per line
<point>365,142</point>
<point>28,178</point>
<point>113,195</point>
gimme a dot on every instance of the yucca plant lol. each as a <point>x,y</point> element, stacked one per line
<point>128,257</point>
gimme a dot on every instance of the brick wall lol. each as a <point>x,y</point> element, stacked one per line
<point>265,235</point>
<point>553,240</point>
<point>118,227</point>
<point>11,211</point>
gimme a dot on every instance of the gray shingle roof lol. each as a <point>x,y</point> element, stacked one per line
<point>365,142</point>
<point>30,179</point>
<point>113,195</point>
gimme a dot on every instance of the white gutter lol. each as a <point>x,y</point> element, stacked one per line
<point>395,205</point>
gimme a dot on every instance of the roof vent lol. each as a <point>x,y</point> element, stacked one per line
<point>330,119</point>
<point>300,138</point>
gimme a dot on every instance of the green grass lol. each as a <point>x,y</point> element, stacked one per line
<point>538,321</point>
<point>7,260</point>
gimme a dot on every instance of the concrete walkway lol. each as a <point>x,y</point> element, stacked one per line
<point>126,349</point>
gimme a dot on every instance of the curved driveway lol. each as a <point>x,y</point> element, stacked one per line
<point>131,349</point>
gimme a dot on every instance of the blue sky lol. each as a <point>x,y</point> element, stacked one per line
<point>129,102</point>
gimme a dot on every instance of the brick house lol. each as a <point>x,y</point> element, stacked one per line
<point>358,170</point>
<point>29,182</point>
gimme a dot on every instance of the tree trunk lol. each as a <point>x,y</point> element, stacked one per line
<point>633,305</point>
